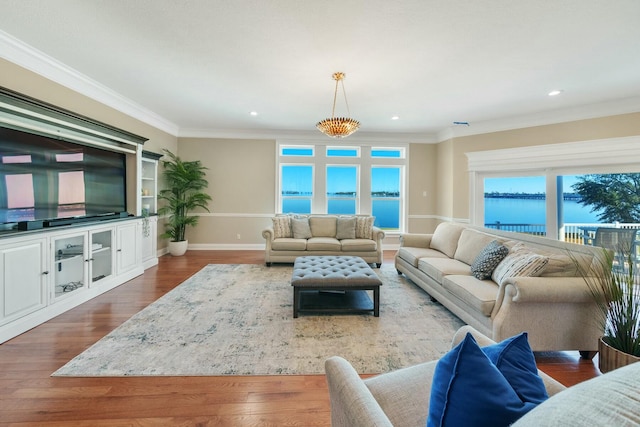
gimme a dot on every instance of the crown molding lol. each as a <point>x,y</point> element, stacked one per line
<point>28,57</point>
<point>312,135</point>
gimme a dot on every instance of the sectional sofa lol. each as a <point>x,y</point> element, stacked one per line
<point>292,236</point>
<point>535,285</point>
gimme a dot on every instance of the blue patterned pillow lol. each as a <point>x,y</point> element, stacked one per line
<point>488,259</point>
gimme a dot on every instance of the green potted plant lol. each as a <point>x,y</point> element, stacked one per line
<point>185,182</point>
<point>614,284</point>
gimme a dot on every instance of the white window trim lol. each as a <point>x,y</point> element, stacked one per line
<point>364,161</point>
<point>573,158</point>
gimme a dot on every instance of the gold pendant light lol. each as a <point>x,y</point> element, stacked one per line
<point>338,127</point>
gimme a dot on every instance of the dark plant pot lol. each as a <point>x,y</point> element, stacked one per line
<point>610,358</point>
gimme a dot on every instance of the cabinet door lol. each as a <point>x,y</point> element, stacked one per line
<point>70,260</point>
<point>150,238</point>
<point>101,255</point>
<point>22,279</point>
<point>128,247</point>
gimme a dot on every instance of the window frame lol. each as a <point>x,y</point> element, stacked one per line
<point>364,163</point>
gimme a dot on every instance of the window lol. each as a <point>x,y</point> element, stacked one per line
<point>297,188</point>
<point>385,196</point>
<point>558,170</point>
<point>342,189</point>
<point>516,204</point>
<point>343,180</point>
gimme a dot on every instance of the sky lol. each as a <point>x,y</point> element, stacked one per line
<point>530,184</point>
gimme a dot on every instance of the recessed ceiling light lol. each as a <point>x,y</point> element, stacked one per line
<point>254,113</point>
<point>555,92</point>
<point>395,117</point>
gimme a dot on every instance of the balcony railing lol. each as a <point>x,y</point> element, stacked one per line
<point>581,233</point>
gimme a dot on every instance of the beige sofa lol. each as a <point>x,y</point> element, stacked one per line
<point>555,308</point>
<point>292,236</point>
<point>402,397</point>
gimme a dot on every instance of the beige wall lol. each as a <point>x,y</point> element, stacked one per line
<point>422,177</point>
<point>242,184</point>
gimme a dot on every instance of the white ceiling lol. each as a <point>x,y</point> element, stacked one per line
<point>198,67</point>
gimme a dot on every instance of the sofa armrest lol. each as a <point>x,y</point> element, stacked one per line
<point>352,404</point>
<point>415,240</point>
<point>268,234</point>
<point>547,289</point>
<point>378,235</point>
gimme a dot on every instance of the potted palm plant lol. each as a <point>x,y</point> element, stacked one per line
<point>614,284</point>
<point>185,182</point>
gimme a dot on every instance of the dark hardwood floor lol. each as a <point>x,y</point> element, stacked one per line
<point>29,396</point>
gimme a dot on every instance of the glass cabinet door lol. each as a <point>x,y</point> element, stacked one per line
<point>101,255</point>
<point>69,265</point>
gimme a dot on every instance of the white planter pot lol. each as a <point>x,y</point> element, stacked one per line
<point>178,248</point>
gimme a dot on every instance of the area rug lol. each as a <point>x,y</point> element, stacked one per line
<point>237,320</point>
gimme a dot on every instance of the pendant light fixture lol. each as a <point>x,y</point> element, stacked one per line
<point>338,127</point>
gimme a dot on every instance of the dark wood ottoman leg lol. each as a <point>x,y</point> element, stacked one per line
<point>376,301</point>
<point>296,301</point>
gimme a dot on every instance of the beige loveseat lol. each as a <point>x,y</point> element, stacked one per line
<point>402,397</point>
<point>555,308</point>
<point>292,236</point>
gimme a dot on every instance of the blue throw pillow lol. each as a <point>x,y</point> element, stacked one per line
<point>469,390</point>
<point>514,359</point>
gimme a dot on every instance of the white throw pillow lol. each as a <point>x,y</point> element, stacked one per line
<point>520,262</point>
<point>282,227</point>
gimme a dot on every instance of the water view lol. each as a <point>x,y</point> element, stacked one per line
<point>533,211</point>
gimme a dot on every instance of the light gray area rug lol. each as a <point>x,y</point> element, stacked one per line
<point>237,320</point>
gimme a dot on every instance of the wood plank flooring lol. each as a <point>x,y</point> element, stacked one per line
<point>29,396</point>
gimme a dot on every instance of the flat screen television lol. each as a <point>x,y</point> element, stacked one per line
<point>56,182</point>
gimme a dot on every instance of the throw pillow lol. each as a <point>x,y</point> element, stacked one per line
<point>364,227</point>
<point>281,227</point>
<point>488,259</point>
<point>518,263</point>
<point>346,228</point>
<point>300,228</point>
<point>515,360</point>
<point>469,390</point>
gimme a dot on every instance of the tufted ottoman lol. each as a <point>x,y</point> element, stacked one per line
<point>350,275</point>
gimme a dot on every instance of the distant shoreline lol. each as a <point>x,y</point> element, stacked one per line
<point>530,196</point>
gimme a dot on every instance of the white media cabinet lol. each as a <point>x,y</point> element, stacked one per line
<point>46,272</point>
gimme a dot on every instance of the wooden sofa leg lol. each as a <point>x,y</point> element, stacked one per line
<point>378,265</point>
<point>587,355</point>
<point>268,264</point>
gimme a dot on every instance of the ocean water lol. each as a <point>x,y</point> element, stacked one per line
<point>507,211</point>
<point>527,211</point>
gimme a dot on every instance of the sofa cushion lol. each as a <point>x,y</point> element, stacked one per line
<point>469,390</point>
<point>470,244</point>
<point>358,245</point>
<point>519,262</point>
<point>300,228</point>
<point>479,294</point>
<point>488,259</point>
<point>323,226</point>
<point>289,244</point>
<point>606,400</point>
<point>364,227</point>
<point>346,228</point>
<point>282,227</point>
<point>445,238</point>
<point>412,255</point>
<point>323,244</point>
<point>438,268</point>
